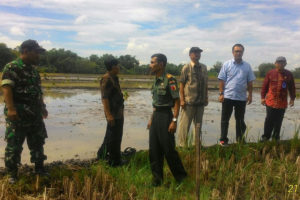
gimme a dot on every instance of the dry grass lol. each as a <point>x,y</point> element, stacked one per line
<point>251,171</point>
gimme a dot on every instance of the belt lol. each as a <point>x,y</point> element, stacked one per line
<point>163,108</point>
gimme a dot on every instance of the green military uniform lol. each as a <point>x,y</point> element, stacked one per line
<point>161,142</point>
<point>27,97</point>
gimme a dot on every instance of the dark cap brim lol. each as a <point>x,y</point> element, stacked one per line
<point>40,50</point>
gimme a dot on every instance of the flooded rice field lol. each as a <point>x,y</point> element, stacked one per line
<point>76,123</point>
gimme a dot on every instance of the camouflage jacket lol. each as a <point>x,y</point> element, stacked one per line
<point>26,87</point>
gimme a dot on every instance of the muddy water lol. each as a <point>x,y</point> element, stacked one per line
<point>76,123</point>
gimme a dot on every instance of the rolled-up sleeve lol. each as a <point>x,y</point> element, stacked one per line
<point>183,75</point>
<point>265,86</point>
<point>251,76</point>
<point>8,76</point>
<point>223,75</point>
<point>106,87</point>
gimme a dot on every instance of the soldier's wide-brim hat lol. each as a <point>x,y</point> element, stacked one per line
<point>32,45</point>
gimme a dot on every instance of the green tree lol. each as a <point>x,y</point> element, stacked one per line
<point>128,63</point>
<point>100,68</point>
<point>217,67</point>
<point>173,69</point>
<point>142,69</point>
<point>6,55</point>
<point>264,68</point>
<point>214,71</point>
<point>296,73</point>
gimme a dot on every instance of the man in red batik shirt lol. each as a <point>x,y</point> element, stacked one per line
<point>278,82</point>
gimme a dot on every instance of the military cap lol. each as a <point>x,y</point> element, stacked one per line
<point>31,45</point>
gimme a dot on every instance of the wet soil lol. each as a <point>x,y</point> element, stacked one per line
<point>76,123</point>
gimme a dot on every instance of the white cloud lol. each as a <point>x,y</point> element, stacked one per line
<point>133,46</point>
<point>81,19</point>
<point>186,50</point>
<point>197,5</point>
<point>289,2</point>
<point>11,43</point>
<point>17,31</point>
<point>223,15</point>
<point>144,27</point>
<point>47,44</point>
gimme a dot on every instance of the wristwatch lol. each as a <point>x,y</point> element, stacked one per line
<point>174,119</point>
<point>221,93</point>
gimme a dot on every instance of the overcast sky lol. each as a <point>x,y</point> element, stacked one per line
<point>267,28</point>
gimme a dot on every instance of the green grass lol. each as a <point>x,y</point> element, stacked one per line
<point>250,171</point>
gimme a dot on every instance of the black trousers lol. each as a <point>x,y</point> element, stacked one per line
<point>111,146</point>
<point>239,113</point>
<point>162,143</point>
<point>273,123</point>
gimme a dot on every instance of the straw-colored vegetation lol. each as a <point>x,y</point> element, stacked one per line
<point>95,85</point>
<point>252,171</point>
<point>127,81</point>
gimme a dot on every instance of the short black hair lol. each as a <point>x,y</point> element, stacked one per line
<point>238,45</point>
<point>160,58</point>
<point>109,63</point>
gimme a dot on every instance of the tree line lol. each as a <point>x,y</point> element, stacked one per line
<point>66,61</point>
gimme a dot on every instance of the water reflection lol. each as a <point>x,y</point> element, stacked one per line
<point>59,94</point>
<point>76,123</point>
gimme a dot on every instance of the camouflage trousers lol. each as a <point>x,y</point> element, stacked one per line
<point>15,134</point>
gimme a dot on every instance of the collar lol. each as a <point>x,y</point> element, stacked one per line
<point>237,63</point>
<point>281,72</point>
<point>161,77</point>
<point>20,63</point>
<point>194,64</point>
<point>109,74</point>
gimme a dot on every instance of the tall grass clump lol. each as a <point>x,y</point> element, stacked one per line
<point>269,170</point>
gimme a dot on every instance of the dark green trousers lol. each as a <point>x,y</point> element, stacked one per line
<point>15,134</point>
<point>111,146</point>
<point>162,144</point>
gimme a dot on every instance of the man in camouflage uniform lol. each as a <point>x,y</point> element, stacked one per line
<point>24,109</point>
<point>163,122</point>
<point>113,104</point>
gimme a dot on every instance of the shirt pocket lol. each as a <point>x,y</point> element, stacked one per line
<point>242,74</point>
<point>194,77</point>
<point>161,91</point>
<point>161,95</point>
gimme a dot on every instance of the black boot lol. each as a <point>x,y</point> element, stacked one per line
<point>12,176</point>
<point>40,169</point>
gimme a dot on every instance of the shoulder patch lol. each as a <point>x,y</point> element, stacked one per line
<point>169,76</point>
<point>173,87</point>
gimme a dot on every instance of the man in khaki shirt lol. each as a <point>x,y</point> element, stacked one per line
<point>193,95</point>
